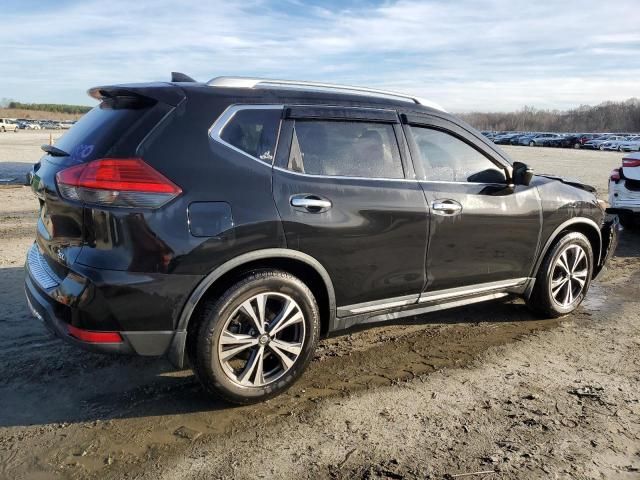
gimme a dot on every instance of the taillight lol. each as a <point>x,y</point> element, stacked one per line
<point>117,182</point>
<point>94,337</point>
<point>630,162</point>
<point>615,175</point>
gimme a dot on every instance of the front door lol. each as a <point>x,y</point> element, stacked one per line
<point>483,232</point>
<point>339,185</point>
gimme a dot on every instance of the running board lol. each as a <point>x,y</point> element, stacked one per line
<point>384,317</point>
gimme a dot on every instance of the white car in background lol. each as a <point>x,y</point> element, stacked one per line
<point>617,144</point>
<point>632,145</point>
<point>7,125</point>
<point>624,190</point>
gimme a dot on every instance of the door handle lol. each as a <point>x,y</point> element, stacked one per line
<point>311,203</point>
<point>446,207</point>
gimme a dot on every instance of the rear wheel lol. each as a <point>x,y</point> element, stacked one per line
<point>257,339</point>
<point>564,277</point>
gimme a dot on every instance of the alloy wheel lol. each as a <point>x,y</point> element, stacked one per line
<point>262,339</point>
<point>569,275</point>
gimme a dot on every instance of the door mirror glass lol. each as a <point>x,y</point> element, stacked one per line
<point>522,173</point>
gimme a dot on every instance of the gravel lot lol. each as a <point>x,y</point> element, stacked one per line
<point>483,389</point>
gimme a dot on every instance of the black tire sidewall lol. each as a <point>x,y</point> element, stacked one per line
<point>542,294</point>
<point>208,367</point>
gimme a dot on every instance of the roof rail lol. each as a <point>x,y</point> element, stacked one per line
<point>255,83</point>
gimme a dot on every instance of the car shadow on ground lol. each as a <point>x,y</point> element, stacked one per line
<point>45,381</point>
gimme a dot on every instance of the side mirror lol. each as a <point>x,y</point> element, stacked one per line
<point>522,173</point>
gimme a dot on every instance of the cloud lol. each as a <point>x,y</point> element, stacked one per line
<point>465,55</point>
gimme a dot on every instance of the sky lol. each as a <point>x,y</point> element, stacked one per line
<point>466,55</point>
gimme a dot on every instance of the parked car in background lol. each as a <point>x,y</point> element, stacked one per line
<point>28,125</point>
<point>543,139</point>
<point>595,143</point>
<point>624,190</point>
<point>524,139</point>
<point>631,145</point>
<point>614,143</point>
<point>617,144</point>
<point>51,125</point>
<point>7,125</point>
<point>568,140</point>
<point>516,139</point>
<point>262,214</point>
<point>583,138</point>
<point>505,139</point>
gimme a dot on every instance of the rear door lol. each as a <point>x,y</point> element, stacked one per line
<point>483,230</point>
<point>340,185</point>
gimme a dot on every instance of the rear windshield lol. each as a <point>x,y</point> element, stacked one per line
<point>97,131</point>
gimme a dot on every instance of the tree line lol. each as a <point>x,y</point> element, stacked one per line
<point>50,107</point>
<point>607,117</point>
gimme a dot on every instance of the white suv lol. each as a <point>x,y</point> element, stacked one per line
<point>624,190</point>
<point>7,125</point>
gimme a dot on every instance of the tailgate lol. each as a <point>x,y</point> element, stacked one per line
<point>114,128</point>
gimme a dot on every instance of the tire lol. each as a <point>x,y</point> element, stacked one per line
<point>552,296</point>
<point>577,145</point>
<point>601,148</point>
<point>3,130</point>
<point>532,144</point>
<point>241,377</point>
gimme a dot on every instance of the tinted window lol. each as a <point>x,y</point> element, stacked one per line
<point>254,131</point>
<point>446,158</point>
<point>97,131</point>
<point>351,149</point>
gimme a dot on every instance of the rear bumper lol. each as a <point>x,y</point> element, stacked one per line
<point>92,306</point>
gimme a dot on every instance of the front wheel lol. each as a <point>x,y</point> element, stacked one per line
<point>532,144</point>
<point>256,340</point>
<point>564,277</point>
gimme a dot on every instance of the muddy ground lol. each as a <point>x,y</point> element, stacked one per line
<point>489,388</point>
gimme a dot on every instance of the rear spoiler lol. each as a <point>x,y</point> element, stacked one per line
<point>140,92</point>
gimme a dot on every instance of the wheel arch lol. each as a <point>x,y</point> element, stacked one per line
<point>305,267</point>
<point>583,225</point>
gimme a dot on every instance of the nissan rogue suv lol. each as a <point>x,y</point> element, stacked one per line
<point>229,225</point>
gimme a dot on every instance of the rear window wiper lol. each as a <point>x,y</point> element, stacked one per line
<point>54,151</point>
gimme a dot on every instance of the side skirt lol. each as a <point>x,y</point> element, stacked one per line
<point>393,309</point>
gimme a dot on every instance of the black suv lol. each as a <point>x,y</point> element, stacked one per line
<point>231,224</point>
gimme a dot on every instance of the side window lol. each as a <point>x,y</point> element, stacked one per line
<point>350,149</point>
<point>449,159</point>
<point>254,131</point>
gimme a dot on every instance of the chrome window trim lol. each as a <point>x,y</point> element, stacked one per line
<point>227,115</point>
<point>313,175</point>
<point>413,180</point>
